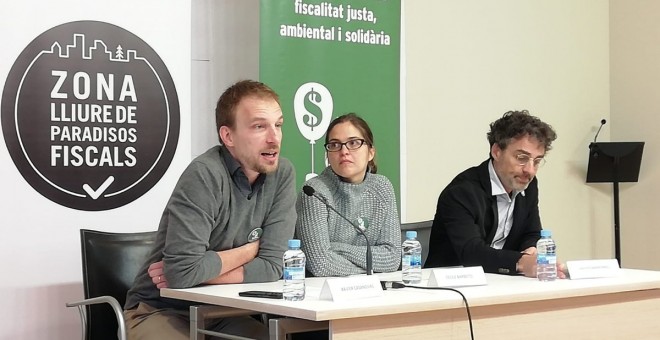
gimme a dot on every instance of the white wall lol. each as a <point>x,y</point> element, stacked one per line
<point>468,62</point>
<point>635,81</point>
<point>225,48</point>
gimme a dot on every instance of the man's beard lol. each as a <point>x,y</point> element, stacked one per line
<point>266,168</point>
<point>263,166</point>
<point>517,186</point>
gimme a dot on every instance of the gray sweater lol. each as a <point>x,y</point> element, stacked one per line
<point>208,213</point>
<point>332,246</point>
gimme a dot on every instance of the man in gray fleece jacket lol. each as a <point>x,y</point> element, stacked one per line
<point>227,221</point>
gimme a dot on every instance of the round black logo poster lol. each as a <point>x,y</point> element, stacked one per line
<point>90,115</point>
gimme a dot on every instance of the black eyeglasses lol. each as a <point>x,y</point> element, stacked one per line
<point>352,144</point>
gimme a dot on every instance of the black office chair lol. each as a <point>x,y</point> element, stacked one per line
<point>423,229</point>
<point>110,262</point>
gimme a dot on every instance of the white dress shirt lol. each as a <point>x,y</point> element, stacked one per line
<point>505,205</point>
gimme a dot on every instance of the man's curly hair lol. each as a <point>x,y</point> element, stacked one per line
<point>517,124</point>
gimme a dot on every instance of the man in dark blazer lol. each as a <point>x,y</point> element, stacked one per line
<point>488,215</point>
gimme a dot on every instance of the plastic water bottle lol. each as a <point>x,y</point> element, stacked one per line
<point>411,259</point>
<point>294,272</point>
<point>546,258</point>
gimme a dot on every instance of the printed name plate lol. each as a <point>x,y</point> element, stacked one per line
<point>591,269</point>
<point>351,288</point>
<point>457,277</point>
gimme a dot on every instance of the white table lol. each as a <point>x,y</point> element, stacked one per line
<point>509,307</point>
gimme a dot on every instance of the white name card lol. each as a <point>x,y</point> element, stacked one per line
<point>351,288</point>
<point>591,269</point>
<point>457,277</point>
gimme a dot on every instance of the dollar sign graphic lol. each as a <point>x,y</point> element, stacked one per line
<point>314,113</point>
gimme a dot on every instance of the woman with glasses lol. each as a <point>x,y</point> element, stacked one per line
<point>350,184</point>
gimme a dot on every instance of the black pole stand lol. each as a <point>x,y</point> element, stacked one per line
<point>615,162</point>
<point>617,230</point>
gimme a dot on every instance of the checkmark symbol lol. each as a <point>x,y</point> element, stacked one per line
<point>94,194</point>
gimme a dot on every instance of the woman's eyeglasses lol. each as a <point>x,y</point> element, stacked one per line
<point>352,144</point>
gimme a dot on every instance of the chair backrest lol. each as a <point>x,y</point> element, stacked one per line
<point>110,263</point>
<point>423,229</point>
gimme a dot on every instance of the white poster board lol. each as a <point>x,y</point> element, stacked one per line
<point>118,184</point>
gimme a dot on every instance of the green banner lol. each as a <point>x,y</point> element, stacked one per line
<point>329,58</point>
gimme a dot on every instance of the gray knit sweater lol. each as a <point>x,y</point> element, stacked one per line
<point>208,213</point>
<point>332,246</point>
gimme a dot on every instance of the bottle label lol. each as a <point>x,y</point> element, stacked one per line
<point>416,260</point>
<point>546,259</point>
<point>412,260</point>
<point>294,273</point>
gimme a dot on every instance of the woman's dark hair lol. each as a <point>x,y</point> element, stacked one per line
<point>517,124</point>
<point>361,125</point>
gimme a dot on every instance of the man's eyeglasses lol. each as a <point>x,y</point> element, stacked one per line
<point>352,144</point>
<point>524,159</point>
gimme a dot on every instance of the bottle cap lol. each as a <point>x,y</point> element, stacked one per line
<point>546,233</point>
<point>411,234</point>
<point>294,243</point>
